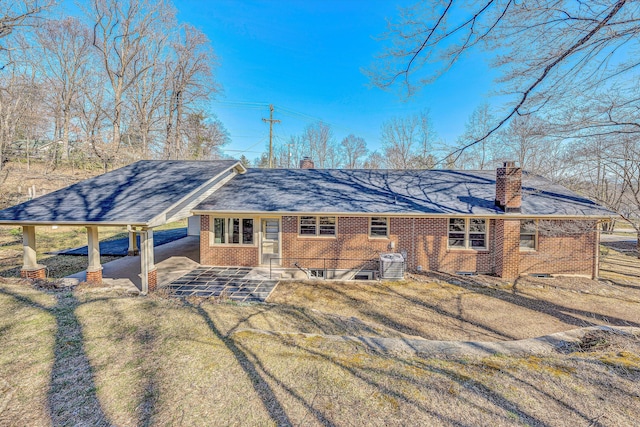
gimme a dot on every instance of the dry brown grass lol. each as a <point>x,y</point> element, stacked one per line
<point>84,357</point>
<point>96,358</point>
<point>478,309</point>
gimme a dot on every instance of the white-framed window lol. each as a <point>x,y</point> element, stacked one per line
<point>528,235</point>
<point>379,226</point>
<point>467,233</point>
<point>235,231</point>
<point>321,226</point>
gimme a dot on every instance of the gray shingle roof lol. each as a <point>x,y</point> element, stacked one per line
<point>134,194</point>
<point>390,192</point>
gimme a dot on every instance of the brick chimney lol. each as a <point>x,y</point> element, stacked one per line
<point>306,163</point>
<point>509,187</point>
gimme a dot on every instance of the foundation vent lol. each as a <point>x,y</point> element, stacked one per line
<point>391,266</point>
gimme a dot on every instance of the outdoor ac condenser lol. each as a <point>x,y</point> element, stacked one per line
<point>391,266</point>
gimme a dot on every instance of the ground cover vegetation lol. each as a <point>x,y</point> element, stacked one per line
<point>96,357</point>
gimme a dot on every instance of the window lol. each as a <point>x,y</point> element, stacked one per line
<point>379,226</point>
<point>317,226</point>
<point>467,233</point>
<point>528,235</point>
<point>237,231</point>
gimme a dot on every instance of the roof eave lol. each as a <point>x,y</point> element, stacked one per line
<point>403,214</point>
<point>76,223</point>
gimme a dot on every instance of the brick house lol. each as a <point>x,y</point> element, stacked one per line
<point>338,222</point>
<point>502,222</point>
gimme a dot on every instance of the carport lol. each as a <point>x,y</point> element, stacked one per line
<point>140,196</point>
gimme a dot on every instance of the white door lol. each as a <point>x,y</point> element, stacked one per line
<point>270,240</point>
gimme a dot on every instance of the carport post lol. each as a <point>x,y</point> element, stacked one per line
<point>147,267</point>
<point>94,269</point>
<point>133,242</point>
<point>30,267</point>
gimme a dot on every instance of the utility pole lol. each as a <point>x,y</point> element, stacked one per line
<point>271,122</point>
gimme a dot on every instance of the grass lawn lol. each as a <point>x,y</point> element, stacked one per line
<point>95,357</point>
<point>49,239</point>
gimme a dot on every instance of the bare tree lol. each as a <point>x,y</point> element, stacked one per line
<point>205,136</point>
<point>122,31</point>
<point>190,81</point>
<point>15,14</point>
<point>551,52</point>
<point>374,161</point>
<point>478,124</point>
<point>64,50</point>
<point>318,137</point>
<point>22,114</point>
<point>355,151</point>
<point>407,141</point>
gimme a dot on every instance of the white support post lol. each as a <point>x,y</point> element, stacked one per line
<point>30,267</point>
<point>94,269</point>
<point>93,249</point>
<point>147,266</point>
<point>29,261</point>
<point>133,242</point>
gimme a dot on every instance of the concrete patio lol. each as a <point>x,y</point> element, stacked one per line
<point>179,270</point>
<point>173,260</point>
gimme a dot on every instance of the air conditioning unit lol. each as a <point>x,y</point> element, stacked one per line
<point>391,266</point>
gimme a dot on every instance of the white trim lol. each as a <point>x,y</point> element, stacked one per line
<point>386,236</point>
<point>261,236</point>
<point>317,227</point>
<point>227,235</point>
<point>401,215</point>
<point>535,237</point>
<point>467,232</point>
<point>192,199</point>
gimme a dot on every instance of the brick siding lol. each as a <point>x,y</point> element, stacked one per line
<point>563,254</point>
<point>152,280</point>
<point>94,276</point>
<point>509,188</point>
<point>235,255</point>
<point>425,241</point>
<point>40,273</point>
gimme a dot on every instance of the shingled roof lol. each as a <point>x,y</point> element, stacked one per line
<point>393,192</point>
<point>137,194</point>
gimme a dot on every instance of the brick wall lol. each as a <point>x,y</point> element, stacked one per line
<point>40,273</point>
<point>509,187</point>
<point>507,248</point>
<point>424,240</point>
<point>235,255</point>
<point>563,252</point>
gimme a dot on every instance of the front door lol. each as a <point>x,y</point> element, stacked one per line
<point>270,244</point>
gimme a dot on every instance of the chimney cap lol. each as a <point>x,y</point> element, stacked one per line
<point>509,164</point>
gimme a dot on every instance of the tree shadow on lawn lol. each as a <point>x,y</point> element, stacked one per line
<point>376,378</point>
<point>565,314</point>
<point>368,311</point>
<point>72,397</point>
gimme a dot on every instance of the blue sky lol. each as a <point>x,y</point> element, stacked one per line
<point>305,57</point>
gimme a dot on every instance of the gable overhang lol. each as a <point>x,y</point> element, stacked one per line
<point>178,210</point>
<point>183,207</point>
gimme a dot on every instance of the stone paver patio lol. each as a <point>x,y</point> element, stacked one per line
<point>235,283</point>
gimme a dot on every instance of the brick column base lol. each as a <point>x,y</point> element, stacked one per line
<point>34,273</point>
<point>133,253</point>
<point>153,280</point>
<point>94,276</point>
